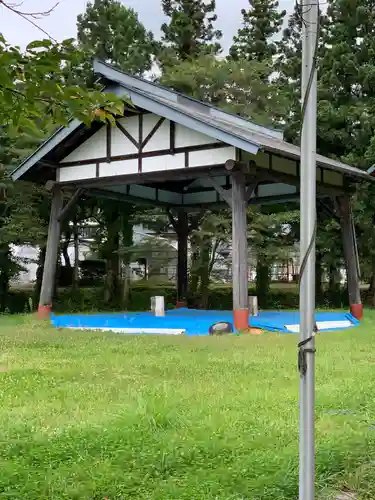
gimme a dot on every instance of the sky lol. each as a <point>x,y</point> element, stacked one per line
<point>61,23</point>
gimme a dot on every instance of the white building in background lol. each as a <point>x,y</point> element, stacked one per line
<point>28,255</point>
<point>221,273</point>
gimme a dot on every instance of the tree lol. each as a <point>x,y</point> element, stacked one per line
<point>347,94</point>
<point>271,237</point>
<point>346,104</point>
<point>235,86</point>
<point>255,39</point>
<point>113,33</point>
<point>214,230</point>
<point>33,92</point>
<point>190,31</point>
<point>33,101</point>
<point>288,63</point>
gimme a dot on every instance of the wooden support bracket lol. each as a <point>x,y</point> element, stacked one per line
<point>70,204</point>
<point>226,194</point>
<point>250,190</point>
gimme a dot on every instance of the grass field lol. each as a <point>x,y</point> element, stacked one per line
<point>93,416</point>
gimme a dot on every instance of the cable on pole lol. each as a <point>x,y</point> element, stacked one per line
<point>302,350</point>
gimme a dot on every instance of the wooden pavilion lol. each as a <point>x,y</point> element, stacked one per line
<point>176,152</point>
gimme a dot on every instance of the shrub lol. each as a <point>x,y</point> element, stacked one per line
<point>90,299</point>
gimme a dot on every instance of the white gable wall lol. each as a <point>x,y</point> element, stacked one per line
<point>160,140</point>
<point>121,145</point>
<point>95,149</point>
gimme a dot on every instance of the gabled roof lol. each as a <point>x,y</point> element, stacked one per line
<point>193,114</point>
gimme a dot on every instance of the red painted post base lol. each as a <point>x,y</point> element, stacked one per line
<point>357,311</point>
<point>180,304</point>
<point>44,312</point>
<point>241,319</point>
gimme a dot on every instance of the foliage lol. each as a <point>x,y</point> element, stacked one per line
<point>260,24</point>
<point>346,82</point>
<point>113,33</point>
<point>235,86</point>
<point>271,238</point>
<point>32,93</point>
<point>206,241</point>
<point>288,63</point>
<point>346,103</point>
<point>190,32</point>
<point>89,296</point>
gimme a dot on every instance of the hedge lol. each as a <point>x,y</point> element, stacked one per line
<point>220,298</point>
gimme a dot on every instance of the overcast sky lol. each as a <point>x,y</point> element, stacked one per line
<point>61,23</point>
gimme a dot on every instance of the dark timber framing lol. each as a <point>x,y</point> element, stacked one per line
<point>239,250</point>
<point>109,143</point>
<point>127,135</point>
<point>350,255</point>
<point>172,137</point>
<point>181,227</point>
<point>70,204</point>
<point>50,263</point>
<point>140,141</point>
<point>153,131</point>
<point>145,154</point>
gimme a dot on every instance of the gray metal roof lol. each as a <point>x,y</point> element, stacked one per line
<point>193,114</point>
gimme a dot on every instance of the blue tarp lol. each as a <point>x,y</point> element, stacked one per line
<point>195,322</point>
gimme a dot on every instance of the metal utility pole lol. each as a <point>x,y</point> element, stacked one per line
<point>309,12</point>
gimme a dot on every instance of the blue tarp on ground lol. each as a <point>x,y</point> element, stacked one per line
<point>195,322</point>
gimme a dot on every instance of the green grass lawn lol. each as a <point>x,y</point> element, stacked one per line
<point>93,416</point>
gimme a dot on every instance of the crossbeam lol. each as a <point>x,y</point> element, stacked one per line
<point>70,204</point>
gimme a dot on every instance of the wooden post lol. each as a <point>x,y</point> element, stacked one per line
<point>253,305</point>
<point>351,256</point>
<point>50,263</point>
<point>76,253</point>
<point>239,251</point>
<point>182,230</point>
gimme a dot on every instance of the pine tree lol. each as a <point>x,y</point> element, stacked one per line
<point>236,86</point>
<point>113,33</point>
<point>347,82</point>
<point>190,31</point>
<point>346,107</point>
<point>254,40</point>
<point>288,66</point>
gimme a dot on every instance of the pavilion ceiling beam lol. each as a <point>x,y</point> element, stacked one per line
<point>127,198</point>
<point>171,175</point>
<point>262,200</point>
<point>274,176</point>
<point>264,174</point>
